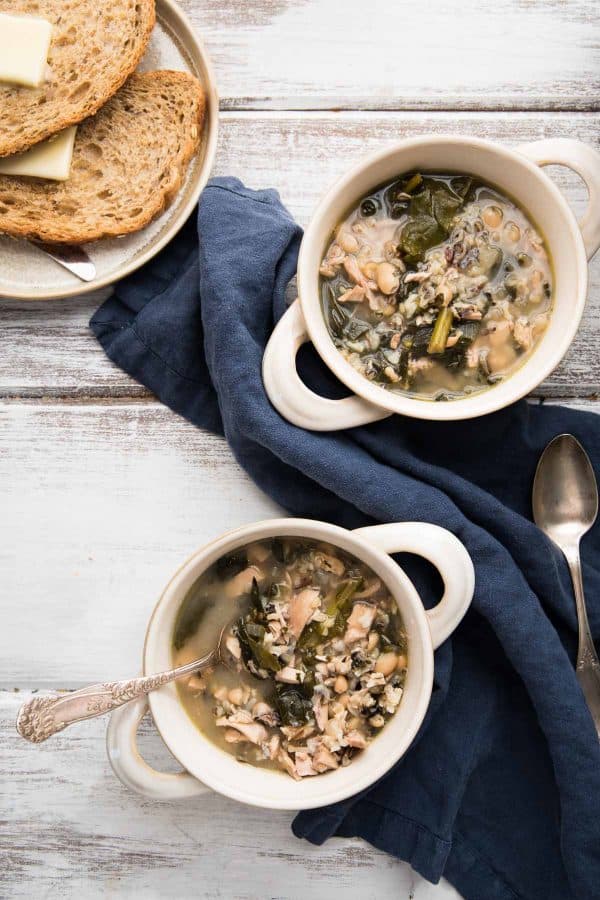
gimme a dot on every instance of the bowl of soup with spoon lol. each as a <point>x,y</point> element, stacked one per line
<point>442,279</point>
<point>326,669</point>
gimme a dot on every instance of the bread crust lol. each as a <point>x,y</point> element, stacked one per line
<point>66,113</point>
<point>29,196</point>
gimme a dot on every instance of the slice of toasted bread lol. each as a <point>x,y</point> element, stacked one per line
<point>129,161</point>
<point>95,47</point>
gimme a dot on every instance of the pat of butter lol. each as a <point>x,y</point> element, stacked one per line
<point>24,46</point>
<point>48,159</point>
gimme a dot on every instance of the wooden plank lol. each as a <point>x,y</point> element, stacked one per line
<point>90,837</point>
<point>295,54</point>
<point>100,504</point>
<point>47,347</point>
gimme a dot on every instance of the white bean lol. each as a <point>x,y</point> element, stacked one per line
<point>341,684</point>
<point>369,270</point>
<point>373,640</point>
<point>492,216</point>
<point>195,683</point>
<point>387,278</point>
<point>348,242</point>
<point>386,663</point>
<point>512,232</point>
<point>236,696</point>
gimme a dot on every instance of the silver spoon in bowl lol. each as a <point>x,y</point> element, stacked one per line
<point>565,506</point>
<point>41,717</point>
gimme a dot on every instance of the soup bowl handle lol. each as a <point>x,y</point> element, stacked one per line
<point>446,553</point>
<point>129,766</point>
<point>290,396</point>
<point>583,160</point>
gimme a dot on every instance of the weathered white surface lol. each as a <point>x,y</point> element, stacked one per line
<point>307,54</point>
<point>101,503</point>
<point>70,829</point>
<point>46,347</point>
<point>103,492</point>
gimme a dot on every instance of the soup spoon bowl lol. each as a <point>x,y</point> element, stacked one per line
<point>41,717</point>
<point>565,506</point>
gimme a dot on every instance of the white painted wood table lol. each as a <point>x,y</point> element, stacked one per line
<point>104,491</point>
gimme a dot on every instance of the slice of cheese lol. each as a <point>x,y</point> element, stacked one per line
<point>48,159</point>
<point>24,46</point>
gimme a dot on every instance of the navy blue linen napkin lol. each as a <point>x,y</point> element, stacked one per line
<point>501,791</point>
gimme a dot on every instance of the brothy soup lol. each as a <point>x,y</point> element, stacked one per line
<point>317,656</point>
<point>436,285</point>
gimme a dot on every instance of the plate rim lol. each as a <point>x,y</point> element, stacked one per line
<point>170,10</point>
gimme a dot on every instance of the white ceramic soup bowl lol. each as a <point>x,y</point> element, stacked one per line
<point>206,765</point>
<point>517,173</point>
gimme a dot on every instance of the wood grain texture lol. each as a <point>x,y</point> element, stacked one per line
<point>311,54</point>
<point>47,348</point>
<point>91,838</point>
<point>101,502</point>
<point>104,491</point>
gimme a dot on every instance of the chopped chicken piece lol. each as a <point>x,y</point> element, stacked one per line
<point>353,270</point>
<point>360,700</point>
<point>374,679</point>
<point>304,766</point>
<point>302,606</point>
<point>360,620</point>
<point>353,295</point>
<point>332,262</point>
<point>276,629</point>
<point>252,731</point>
<point>522,333</point>
<point>234,737</point>
<point>323,759</point>
<point>354,273</point>
<point>297,732</point>
<point>471,314</point>
<point>196,683</point>
<point>233,645</point>
<point>391,698</point>
<point>289,675</point>
<point>243,716</point>
<point>472,356</point>
<point>321,712</point>
<point>285,760</point>
<point>265,713</point>
<point>329,563</point>
<point>417,276</point>
<point>335,731</point>
<point>356,739</point>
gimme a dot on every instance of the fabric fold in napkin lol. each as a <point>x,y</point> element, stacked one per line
<point>501,790</point>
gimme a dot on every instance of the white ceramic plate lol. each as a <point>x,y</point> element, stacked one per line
<point>26,273</point>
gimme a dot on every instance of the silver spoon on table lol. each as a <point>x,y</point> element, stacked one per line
<point>41,717</point>
<point>565,506</point>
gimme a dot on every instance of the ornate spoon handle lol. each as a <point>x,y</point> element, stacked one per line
<point>41,717</point>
